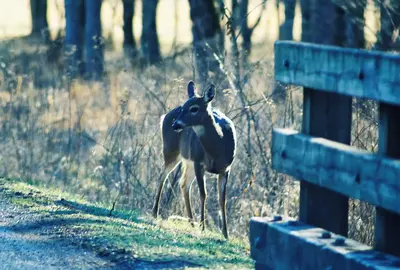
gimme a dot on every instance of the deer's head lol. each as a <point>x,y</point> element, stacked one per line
<point>195,109</point>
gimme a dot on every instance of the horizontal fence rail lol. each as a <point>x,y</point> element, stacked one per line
<point>354,72</point>
<point>352,172</point>
<point>331,171</point>
<point>289,244</point>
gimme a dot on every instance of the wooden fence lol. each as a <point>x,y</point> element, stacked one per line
<point>329,170</point>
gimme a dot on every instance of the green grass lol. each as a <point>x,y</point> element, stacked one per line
<point>141,236</point>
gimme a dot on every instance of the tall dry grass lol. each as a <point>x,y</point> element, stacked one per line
<point>102,140</point>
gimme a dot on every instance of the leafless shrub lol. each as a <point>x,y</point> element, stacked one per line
<point>64,134</point>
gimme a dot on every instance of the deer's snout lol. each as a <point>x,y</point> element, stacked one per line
<point>178,125</point>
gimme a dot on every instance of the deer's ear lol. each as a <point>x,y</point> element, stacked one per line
<point>190,89</point>
<point>209,93</point>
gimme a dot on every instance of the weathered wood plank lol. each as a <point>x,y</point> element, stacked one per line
<point>387,224</point>
<point>325,115</point>
<point>289,244</point>
<point>338,167</point>
<point>354,72</point>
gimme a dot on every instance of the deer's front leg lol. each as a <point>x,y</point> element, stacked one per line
<point>201,181</point>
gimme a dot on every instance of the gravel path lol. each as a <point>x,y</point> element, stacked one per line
<point>34,249</point>
<point>31,240</point>
<point>30,251</point>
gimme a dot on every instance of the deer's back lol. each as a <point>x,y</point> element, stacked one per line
<point>229,138</point>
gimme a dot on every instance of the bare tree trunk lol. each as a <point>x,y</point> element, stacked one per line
<point>355,23</point>
<point>244,27</point>
<point>94,66</point>
<point>40,26</point>
<point>285,33</point>
<point>205,30</point>
<point>74,35</point>
<point>286,28</point>
<point>340,26</point>
<point>130,49</point>
<point>221,32</point>
<point>390,20</point>
<point>150,47</point>
<point>328,23</point>
<point>235,23</point>
<point>306,12</point>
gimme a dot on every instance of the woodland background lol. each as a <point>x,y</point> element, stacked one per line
<point>83,84</point>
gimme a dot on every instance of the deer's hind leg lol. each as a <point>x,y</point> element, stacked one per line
<point>222,183</point>
<point>201,181</point>
<point>171,161</point>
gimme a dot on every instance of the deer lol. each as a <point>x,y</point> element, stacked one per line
<point>197,134</point>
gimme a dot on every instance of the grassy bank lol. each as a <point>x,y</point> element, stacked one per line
<point>123,235</point>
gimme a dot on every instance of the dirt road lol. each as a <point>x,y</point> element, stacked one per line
<point>24,247</point>
<point>32,239</point>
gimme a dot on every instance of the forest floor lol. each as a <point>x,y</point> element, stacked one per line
<point>47,229</point>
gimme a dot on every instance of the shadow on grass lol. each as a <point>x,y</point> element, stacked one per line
<point>210,250</point>
<point>151,244</point>
<point>99,211</point>
<point>49,222</point>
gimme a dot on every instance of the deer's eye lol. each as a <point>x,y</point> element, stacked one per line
<point>193,109</point>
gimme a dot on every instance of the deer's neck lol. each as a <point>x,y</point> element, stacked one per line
<point>210,134</point>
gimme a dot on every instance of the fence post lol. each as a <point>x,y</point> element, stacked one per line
<point>326,115</point>
<point>330,172</point>
<point>387,224</point>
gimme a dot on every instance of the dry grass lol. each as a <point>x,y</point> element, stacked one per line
<point>102,140</point>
